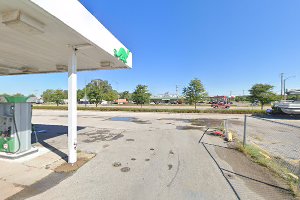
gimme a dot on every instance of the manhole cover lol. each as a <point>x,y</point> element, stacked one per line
<point>125,169</point>
<point>117,164</point>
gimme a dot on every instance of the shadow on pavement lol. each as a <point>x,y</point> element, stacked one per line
<point>44,132</point>
<point>247,179</point>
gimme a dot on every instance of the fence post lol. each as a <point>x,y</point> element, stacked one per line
<point>225,127</point>
<point>227,130</point>
<point>245,130</point>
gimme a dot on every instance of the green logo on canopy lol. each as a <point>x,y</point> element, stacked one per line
<point>122,54</point>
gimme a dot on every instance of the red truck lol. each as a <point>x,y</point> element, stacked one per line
<point>221,105</point>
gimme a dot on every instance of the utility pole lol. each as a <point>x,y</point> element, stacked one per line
<point>85,96</point>
<point>177,93</point>
<point>284,88</point>
<point>282,85</point>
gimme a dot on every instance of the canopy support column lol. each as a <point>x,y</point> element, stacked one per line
<point>72,108</point>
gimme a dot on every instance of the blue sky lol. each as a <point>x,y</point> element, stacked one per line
<point>228,44</point>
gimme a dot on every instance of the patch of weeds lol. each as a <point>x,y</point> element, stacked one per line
<point>262,158</point>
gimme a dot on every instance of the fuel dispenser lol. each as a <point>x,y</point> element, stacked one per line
<point>15,126</point>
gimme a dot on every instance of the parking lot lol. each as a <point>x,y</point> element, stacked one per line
<point>143,156</point>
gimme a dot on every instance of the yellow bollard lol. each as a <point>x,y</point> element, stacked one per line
<point>229,136</point>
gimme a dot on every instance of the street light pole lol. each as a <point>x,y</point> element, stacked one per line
<point>282,85</point>
<point>284,89</point>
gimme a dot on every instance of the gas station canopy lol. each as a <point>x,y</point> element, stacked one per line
<point>47,36</point>
<point>36,36</point>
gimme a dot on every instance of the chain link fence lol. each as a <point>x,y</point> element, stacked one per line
<point>277,140</point>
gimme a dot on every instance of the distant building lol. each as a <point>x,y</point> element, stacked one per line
<point>165,98</point>
<point>121,101</point>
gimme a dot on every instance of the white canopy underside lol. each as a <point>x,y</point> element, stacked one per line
<point>59,26</point>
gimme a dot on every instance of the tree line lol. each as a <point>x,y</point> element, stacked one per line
<point>99,90</point>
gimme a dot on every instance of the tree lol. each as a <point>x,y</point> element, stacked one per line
<point>262,93</point>
<point>141,95</point>
<point>240,98</point>
<point>95,94</point>
<point>125,95</point>
<point>80,94</point>
<point>47,95</point>
<point>99,90</point>
<point>111,95</point>
<point>56,96</point>
<point>32,95</point>
<point>18,95</point>
<point>194,92</point>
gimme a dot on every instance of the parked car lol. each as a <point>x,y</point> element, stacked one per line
<point>220,105</point>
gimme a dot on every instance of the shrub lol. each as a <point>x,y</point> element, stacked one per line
<point>234,111</point>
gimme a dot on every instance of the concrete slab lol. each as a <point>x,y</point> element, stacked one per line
<point>160,158</point>
<point>23,172</point>
<point>24,175</point>
<point>8,189</point>
<point>43,160</point>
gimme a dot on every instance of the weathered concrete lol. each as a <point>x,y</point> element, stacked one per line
<point>159,153</point>
<point>165,163</point>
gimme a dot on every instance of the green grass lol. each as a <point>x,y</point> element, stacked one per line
<point>233,111</point>
<point>279,170</point>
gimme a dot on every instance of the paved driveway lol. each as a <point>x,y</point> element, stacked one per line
<point>164,161</point>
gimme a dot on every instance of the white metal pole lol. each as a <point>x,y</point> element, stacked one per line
<point>245,131</point>
<point>72,109</point>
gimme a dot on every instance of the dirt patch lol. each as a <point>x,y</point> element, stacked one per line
<point>257,178</point>
<point>66,167</point>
